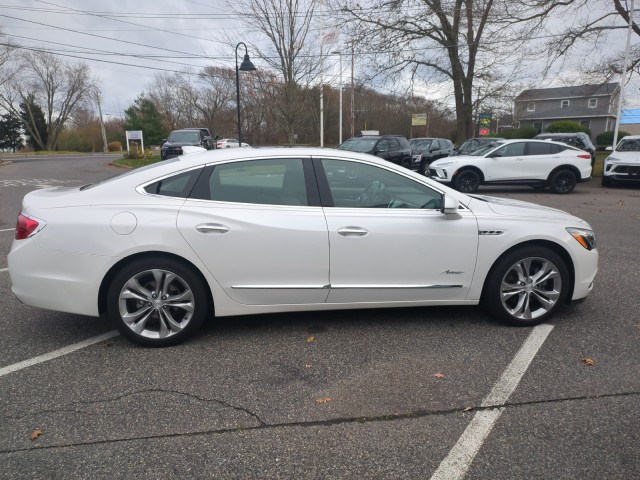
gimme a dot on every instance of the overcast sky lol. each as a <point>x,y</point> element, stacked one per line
<point>177,33</point>
<point>124,42</point>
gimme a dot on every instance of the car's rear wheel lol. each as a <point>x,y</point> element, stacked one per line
<point>156,302</point>
<point>467,181</point>
<point>527,286</point>
<point>563,181</point>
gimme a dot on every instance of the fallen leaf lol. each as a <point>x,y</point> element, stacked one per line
<point>467,409</point>
<point>588,361</point>
<point>36,433</point>
<point>438,375</point>
<point>323,399</point>
<point>620,203</point>
<point>309,339</point>
<point>307,365</point>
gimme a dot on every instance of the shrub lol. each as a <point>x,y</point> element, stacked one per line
<point>606,138</point>
<point>136,153</point>
<point>566,126</point>
<point>114,146</point>
<point>524,132</point>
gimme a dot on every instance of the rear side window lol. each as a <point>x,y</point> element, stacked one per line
<point>175,186</point>
<point>267,182</point>
<point>539,149</point>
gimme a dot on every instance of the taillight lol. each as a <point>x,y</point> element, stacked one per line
<point>585,155</point>
<point>27,226</point>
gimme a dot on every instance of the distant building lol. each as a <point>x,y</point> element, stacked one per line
<point>594,106</point>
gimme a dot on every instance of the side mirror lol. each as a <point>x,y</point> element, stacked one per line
<point>609,149</point>
<point>449,205</point>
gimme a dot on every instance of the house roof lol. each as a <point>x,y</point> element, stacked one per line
<point>582,91</point>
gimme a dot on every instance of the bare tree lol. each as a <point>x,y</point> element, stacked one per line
<point>286,46</point>
<point>57,87</point>
<point>7,50</point>
<point>465,42</point>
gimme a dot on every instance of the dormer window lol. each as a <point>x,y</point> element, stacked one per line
<point>564,103</point>
<point>531,107</point>
<point>593,102</point>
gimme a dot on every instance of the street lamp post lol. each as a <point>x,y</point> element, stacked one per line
<point>245,66</point>
<point>340,115</point>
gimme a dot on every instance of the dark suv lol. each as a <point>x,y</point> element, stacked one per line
<point>394,148</point>
<point>578,139</point>
<point>206,137</point>
<point>177,139</point>
<point>426,150</point>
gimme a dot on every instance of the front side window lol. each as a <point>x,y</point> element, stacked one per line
<point>436,145</point>
<point>358,185</point>
<point>510,150</point>
<point>268,181</point>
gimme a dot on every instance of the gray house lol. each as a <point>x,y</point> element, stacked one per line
<point>593,106</point>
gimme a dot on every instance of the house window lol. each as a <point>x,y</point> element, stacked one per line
<point>593,102</point>
<point>531,107</point>
<point>586,123</point>
<point>564,103</point>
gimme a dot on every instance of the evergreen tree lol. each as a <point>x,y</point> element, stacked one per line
<point>11,132</point>
<point>143,115</point>
<point>29,109</point>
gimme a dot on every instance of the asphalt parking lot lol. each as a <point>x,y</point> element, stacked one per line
<point>418,393</point>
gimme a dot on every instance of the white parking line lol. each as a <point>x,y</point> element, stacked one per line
<point>7,230</point>
<point>456,464</point>
<point>57,353</point>
<point>4,269</point>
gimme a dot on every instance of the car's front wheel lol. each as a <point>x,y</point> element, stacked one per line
<point>156,302</point>
<point>527,286</point>
<point>467,181</point>
<point>563,181</point>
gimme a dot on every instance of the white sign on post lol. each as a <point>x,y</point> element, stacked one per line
<point>134,135</point>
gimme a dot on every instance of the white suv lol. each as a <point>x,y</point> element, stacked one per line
<point>624,162</point>
<point>537,163</point>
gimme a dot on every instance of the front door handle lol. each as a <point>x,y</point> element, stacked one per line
<point>352,232</point>
<point>212,228</point>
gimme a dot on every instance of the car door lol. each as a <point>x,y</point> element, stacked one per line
<point>506,163</point>
<point>258,227</point>
<point>389,241</point>
<point>541,159</point>
<point>435,153</point>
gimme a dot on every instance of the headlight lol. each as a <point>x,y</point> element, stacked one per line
<point>611,159</point>
<point>442,164</point>
<point>584,237</point>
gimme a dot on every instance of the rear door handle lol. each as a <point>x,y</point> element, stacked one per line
<point>352,232</point>
<point>212,228</point>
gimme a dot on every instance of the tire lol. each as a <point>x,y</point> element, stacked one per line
<point>526,286</point>
<point>406,163</point>
<point>157,320</point>
<point>467,181</point>
<point>563,181</point>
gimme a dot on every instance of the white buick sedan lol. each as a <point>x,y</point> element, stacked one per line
<point>235,232</point>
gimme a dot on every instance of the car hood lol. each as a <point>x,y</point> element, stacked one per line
<point>178,144</point>
<point>454,159</point>
<point>627,157</point>
<point>518,208</point>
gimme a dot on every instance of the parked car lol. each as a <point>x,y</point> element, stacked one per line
<point>207,139</point>
<point>578,139</point>
<point>251,231</point>
<point>426,150</point>
<point>229,143</point>
<point>473,144</point>
<point>538,163</point>
<point>393,148</point>
<point>172,147</point>
<point>623,165</point>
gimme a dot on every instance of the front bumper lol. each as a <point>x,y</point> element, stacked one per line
<point>622,171</point>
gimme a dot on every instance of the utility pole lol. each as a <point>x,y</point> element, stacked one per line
<point>353,103</point>
<point>105,148</point>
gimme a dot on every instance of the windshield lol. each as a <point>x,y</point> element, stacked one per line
<point>130,172</point>
<point>184,137</point>
<point>485,149</point>
<point>631,145</point>
<point>420,144</point>
<point>361,144</point>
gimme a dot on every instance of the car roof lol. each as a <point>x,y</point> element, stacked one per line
<point>559,135</point>
<point>630,137</point>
